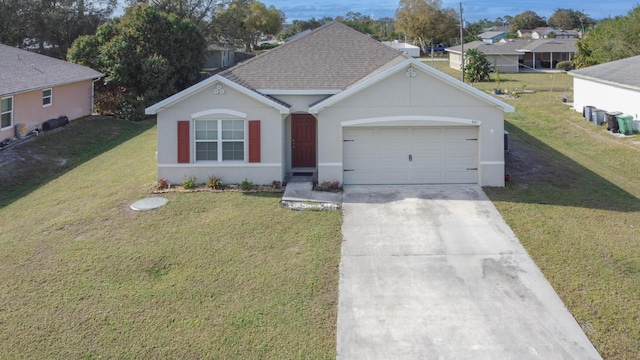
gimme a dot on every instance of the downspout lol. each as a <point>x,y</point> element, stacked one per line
<point>93,83</point>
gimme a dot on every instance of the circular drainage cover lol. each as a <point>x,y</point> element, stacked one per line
<point>149,203</point>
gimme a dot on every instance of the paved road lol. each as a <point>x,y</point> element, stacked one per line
<point>433,272</point>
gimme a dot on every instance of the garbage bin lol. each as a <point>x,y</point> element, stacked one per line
<point>612,121</point>
<point>587,112</point>
<point>598,116</point>
<point>625,122</point>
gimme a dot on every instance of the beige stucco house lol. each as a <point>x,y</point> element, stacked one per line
<point>339,105</point>
<point>35,88</point>
<point>516,55</point>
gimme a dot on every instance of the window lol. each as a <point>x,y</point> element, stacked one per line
<point>47,97</point>
<point>6,112</point>
<point>219,140</point>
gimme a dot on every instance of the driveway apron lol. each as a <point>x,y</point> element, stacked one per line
<point>433,272</point>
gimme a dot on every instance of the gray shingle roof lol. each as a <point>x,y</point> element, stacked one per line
<point>22,70</point>
<point>520,46</point>
<point>624,72</point>
<point>331,57</point>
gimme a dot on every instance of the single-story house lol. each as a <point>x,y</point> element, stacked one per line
<point>339,105</point>
<point>492,36</point>
<point>35,88</point>
<point>218,57</point>
<point>411,50</point>
<point>613,86</point>
<point>513,55</point>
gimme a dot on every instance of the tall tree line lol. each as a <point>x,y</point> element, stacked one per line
<point>50,26</point>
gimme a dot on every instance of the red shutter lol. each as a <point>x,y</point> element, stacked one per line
<point>183,141</point>
<point>254,140</point>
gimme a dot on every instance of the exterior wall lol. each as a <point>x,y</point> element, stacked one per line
<point>233,102</point>
<point>219,58</point>
<point>605,96</point>
<point>506,63</point>
<point>455,61</point>
<point>72,100</point>
<point>432,103</point>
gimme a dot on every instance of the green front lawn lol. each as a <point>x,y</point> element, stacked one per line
<point>209,275</point>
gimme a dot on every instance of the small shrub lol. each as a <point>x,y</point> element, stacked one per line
<point>189,182</point>
<point>564,65</point>
<point>276,184</point>
<point>214,182</point>
<point>246,185</point>
<point>161,184</point>
<point>324,186</point>
<point>266,46</point>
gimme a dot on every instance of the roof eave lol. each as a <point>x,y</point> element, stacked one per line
<point>603,81</point>
<point>46,86</point>
<point>160,106</point>
<point>315,109</point>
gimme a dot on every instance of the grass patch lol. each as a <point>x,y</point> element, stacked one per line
<point>574,204</point>
<point>209,275</point>
<point>34,162</point>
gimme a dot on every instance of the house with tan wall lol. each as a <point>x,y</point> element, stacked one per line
<point>35,88</point>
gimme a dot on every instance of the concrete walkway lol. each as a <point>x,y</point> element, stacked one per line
<point>433,272</point>
<point>303,192</point>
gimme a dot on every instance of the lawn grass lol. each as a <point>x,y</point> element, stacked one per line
<point>209,275</point>
<point>574,204</point>
<point>28,165</point>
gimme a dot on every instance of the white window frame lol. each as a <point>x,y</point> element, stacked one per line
<point>220,141</point>
<point>10,112</point>
<point>50,97</point>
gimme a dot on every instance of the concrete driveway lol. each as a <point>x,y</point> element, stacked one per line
<point>433,272</point>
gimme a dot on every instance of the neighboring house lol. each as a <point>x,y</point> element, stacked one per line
<point>35,88</point>
<point>218,57</point>
<point>568,34</point>
<point>524,33</point>
<point>613,86</point>
<point>490,37</point>
<point>339,105</point>
<point>298,35</point>
<point>515,55</point>
<point>411,50</point>
<point>542,32</point>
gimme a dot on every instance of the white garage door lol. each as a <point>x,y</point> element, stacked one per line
<point>410,155</point>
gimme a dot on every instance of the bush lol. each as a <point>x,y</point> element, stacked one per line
<point>214,182</point>
<point>161,184</point>
<point>246,185</point>
<point>266,46</point>
<point>189,182</point>
<point>564,65</point>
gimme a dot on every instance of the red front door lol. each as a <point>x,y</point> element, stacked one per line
<point>303,141</point>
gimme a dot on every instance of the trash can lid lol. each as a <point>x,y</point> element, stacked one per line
<point>614,113</point>
<point>625,116</point>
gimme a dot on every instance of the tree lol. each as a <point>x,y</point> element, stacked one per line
<point>610,40</point>
<point>50,26</point>
<point>199,11</point>
<point>245,21</point>
<point>477,67</point>
<point>567,19</point>
<point>425,20</point>
<point>526,20</point>
<point>146,56</point>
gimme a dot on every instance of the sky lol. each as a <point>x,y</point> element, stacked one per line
<point>472,10</point>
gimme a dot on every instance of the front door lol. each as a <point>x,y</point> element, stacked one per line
<point>303,141</point>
